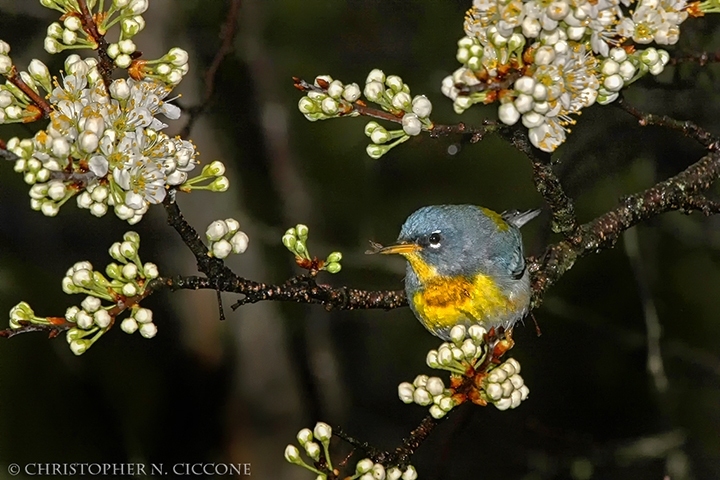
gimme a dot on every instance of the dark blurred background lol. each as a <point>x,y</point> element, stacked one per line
<point>238,391</point>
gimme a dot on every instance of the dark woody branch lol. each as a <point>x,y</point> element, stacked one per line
<point>681,192</point>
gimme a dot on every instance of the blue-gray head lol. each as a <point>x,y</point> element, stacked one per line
<point>463,240</point>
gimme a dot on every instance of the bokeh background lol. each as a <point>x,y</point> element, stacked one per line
<point>238,391</point>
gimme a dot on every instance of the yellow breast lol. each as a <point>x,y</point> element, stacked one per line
<point>444,302</point>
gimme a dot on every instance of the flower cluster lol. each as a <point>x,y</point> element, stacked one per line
<point>124,286</point>
<point>504,386</point>
<point>428,391</point>
<point>225,237</point>
<point>330,98</point>
<point>74,33</point>
<point>474,375</point>
<point>365,469</point>
<point>295,240</point>
<point>393,95</point>
<point>106,149</point>
<point>545,61</point>
<point>307,440</point>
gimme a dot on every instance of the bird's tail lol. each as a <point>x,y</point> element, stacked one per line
<point>519,219</point>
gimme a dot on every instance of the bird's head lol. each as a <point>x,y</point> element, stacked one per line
<point>447,240</point>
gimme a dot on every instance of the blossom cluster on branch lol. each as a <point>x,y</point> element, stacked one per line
<point>542,61</point>
<point>103,144</point>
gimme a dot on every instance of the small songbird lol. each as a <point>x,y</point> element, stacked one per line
<point>465,266</point>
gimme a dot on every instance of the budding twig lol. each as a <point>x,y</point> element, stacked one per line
<point>106,64</point>
<point>44,108</point>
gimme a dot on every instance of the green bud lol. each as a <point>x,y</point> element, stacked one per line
<point>68,286</point>
<point>302,231</point>
<point>376,151</point>
<point>300,248</point>
<point>220,184</point>
<point>79,347</point>
<point>370,127</point>
<point>333,267</point>
<point>289,241</point>
<point>516,42</point>
<point>380,135</point>
<point>214,169</point>
<point>292,454</point>
<point>99,279</point>
<point>21,311</point>
<point>334,257</point>
<point>132,237</point>
<point>304,436</point>
<point>364,466</point>
<point>73,334</point>
<point>113,270</point>
<point>116,254</point>
<point>475,64</point>
<point>305,105</point>
<point>291,231</point>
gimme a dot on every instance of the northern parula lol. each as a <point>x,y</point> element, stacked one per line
<point>465,266</point>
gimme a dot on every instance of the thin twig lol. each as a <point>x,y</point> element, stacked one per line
<point>106,64</point>
<point>688,128</point>
<point>52,330</point>
<point>227,35</point>
<point>43,106</point>
<point>702,58</point>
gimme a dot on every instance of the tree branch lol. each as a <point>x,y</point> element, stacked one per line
<point>676,193</point>
<point>688,128</point>
<point>106,64</point>
<point>546,182</point>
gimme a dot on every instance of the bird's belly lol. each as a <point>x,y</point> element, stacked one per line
<point>445,302</point>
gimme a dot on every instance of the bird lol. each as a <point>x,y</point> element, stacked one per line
<point>465,266</point>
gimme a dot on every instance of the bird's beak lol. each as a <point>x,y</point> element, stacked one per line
<point>400,248</point>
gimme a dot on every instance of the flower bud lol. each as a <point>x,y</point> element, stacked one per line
<point>129,325</point>
<point>292,454</point>
<point>148,330</point>
<point>421,106</point>
<point>239,242</point>
<point>411,124</point>
<point>333,267</point>
<point>322,431</point>
<point>375,75</point>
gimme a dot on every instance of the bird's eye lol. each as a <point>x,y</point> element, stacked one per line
<point>435,238</point>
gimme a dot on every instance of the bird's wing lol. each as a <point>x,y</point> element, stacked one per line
<point>516,261</point>
<point>517,218</point>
